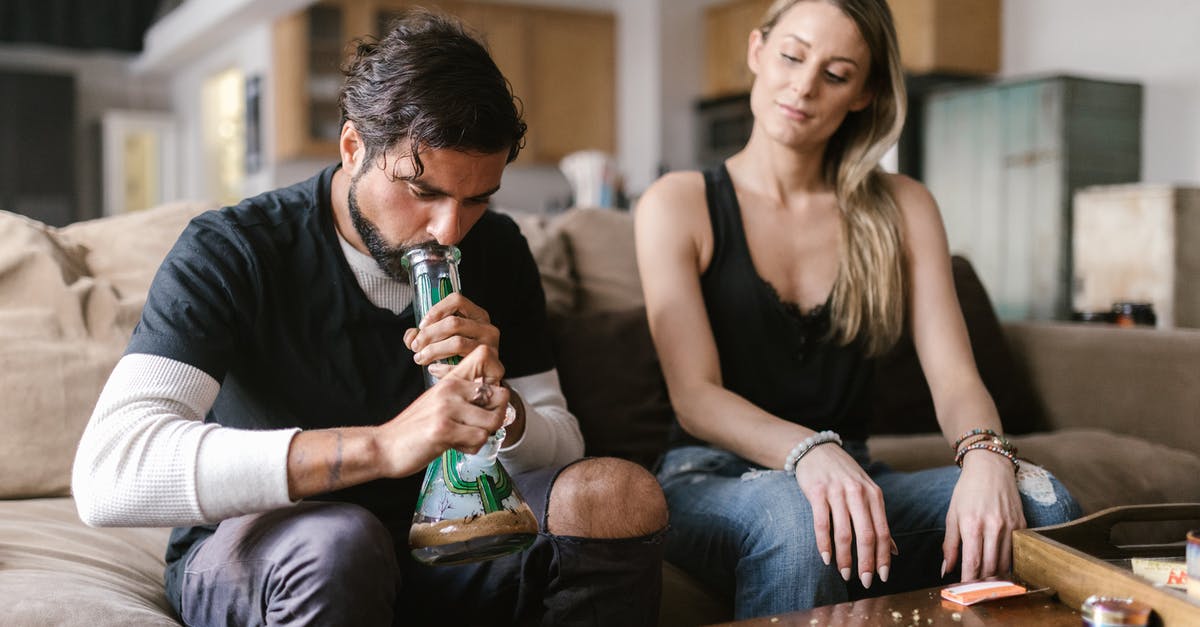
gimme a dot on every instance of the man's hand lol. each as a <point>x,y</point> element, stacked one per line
<point>465,407</point>
<point>461,411</point>
<point>455,326</point>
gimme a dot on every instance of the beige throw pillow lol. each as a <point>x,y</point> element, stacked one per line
<point>69,300</point>
<point>600,242</point>
<point>549,251</point>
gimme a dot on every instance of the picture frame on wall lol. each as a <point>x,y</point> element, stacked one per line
<point>254,149</point>
<point>139,160</point>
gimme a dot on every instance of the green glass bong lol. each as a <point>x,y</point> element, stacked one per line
<point>468,509</point>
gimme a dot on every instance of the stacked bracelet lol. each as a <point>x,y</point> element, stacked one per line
<point>980,435</point>
<point>808,444</point>
<point>985,440</point>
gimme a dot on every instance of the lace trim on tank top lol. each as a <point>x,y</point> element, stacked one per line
<point>793,309</point>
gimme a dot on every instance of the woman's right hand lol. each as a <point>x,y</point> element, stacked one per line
<point>848,506</point>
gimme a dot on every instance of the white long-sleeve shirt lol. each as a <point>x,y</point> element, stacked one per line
<point>147,458</point>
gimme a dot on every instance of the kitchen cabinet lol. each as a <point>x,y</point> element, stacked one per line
<point>1004,160</point>
<point>560,62</point>
<point>935,36</point>
<point>727,28</point>
<point>948,36</point>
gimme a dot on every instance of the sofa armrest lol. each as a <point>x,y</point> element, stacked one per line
<point>1141,382</point>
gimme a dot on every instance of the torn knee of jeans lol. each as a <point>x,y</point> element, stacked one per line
<point>751,475</point>
<point>1034,482</point>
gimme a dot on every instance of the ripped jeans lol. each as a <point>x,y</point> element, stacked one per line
<point>747,531</point>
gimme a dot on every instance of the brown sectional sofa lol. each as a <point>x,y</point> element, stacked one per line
<point>1112,412</point>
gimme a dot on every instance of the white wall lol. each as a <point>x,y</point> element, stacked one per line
<point>1153,42</point>
<point>682,56</point>
<point>639,91</point>
<point>249,51</point>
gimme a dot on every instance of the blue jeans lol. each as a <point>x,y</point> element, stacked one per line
<point>746,530</point>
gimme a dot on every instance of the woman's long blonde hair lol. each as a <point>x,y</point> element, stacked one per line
<point>869,295</point>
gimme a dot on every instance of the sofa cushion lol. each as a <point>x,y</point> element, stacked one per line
<point>603,261</point>
<point>901,402</point>
<point>36,275</point>
<point>56,571</point>
<point>613,383</point>
<point>125,250</point>
<point>69,299</point>
<point>52,369</point>
<point>549,249</point>
<point>1142,382</point>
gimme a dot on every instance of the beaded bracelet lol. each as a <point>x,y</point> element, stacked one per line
<point>808,444</point>
<point>999,441</point>
<point>986,434</point>
<point>1008,453</point>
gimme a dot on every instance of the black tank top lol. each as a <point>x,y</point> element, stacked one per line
<point>771,353</point>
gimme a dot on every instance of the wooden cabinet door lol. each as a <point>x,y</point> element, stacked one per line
<point>308,49</point>
<point>505,31</point>
<point>993,160</point>
<point>571,100</point>
<point>727,35</point>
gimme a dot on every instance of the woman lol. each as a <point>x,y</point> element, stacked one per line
<point>770,283</point>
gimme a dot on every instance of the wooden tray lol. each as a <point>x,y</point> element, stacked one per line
<point>1070,558</point>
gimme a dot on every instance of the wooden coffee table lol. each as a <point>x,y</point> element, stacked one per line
<point>925,608</point>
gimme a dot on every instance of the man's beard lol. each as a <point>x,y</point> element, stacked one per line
<point>386,256</point>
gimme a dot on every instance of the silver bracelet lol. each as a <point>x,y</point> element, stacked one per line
<point>808,444</point>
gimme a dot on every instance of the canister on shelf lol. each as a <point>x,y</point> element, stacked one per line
<point>1102,611</point>
<point>1127,314</point>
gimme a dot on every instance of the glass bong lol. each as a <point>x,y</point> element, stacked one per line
<point>468,509</point>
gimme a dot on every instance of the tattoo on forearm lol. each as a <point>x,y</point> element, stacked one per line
<point>335,469</point>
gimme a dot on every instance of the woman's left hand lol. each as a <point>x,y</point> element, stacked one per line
<point>984,511</point>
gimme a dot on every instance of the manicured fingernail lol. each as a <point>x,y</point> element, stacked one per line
<point>943,573</point>
<point>895,549</point>
<point>825,557</point>
<point>865,578</point>
<point>845,574</point>
<point>417,356</point>
<point>884,571</point>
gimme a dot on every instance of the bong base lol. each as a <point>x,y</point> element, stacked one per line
<point>474,550</point>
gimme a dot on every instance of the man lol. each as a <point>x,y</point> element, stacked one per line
<point>271,403</point>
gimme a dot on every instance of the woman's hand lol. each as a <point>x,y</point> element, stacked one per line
<point>984,511</point>
<point>839,491</point>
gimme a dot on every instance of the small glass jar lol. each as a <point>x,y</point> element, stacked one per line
<point>1102,611</point>
<point>1134,314</point>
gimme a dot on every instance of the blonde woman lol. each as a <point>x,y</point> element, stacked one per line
<point>771,282</point>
